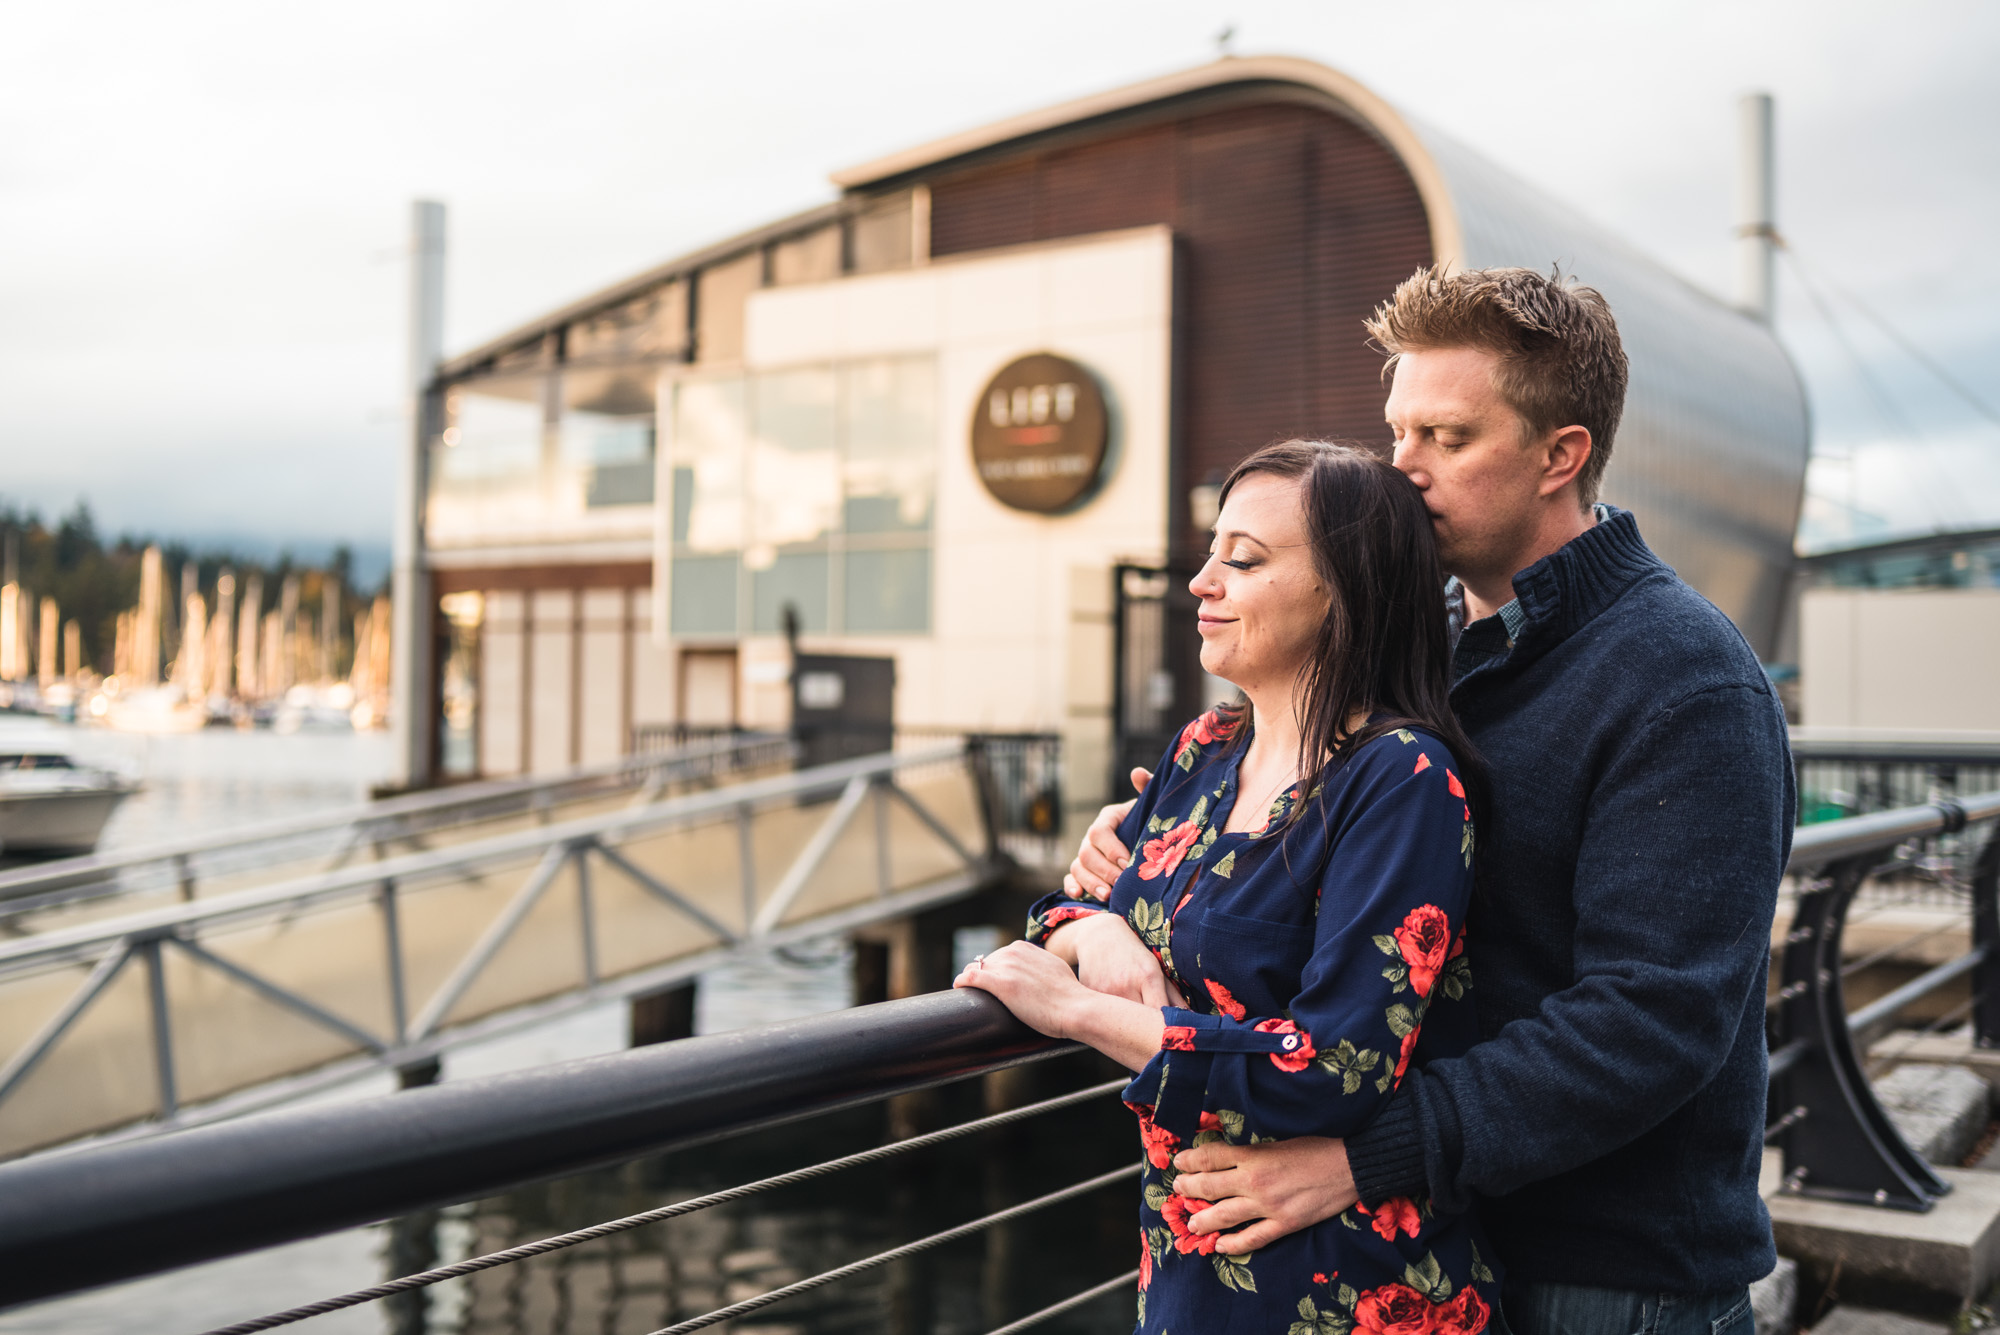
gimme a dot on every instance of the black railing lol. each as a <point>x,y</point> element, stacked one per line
<point>95,1216</point>
<point>1838,1142</point>
<point>1850,772</point>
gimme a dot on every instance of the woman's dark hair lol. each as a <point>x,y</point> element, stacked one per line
<point>1383,647</point>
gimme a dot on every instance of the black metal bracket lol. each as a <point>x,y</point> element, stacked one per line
<point>1845,1148</point>
<point>1986,936</point>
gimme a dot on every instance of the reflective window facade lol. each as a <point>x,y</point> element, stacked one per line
<point>810,487</point>
<point>527,451</point>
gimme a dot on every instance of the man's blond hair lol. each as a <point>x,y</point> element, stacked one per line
<point>1561,361</point>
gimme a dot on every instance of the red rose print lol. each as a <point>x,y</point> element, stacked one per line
<point>1398,1212</point>
<point>1065,913</point>
<point>1321,1279</point>
<point>1298,1047</point>
<point>1423,763</point>
<point>1210,727</point>
<point>1159,1143</point>
<point>1403,1059</point>
<point>1200,732</point>
<point>1160,856</point>
<point>1177,1038</point>
<point>1458,946</point>
<point>1424,938</point>
<point>1145,1262</point>
<point>1225,1003</point>
<point>1176,1212</point>
<point>1452,785</point>
<point>1464,1315</point>
<point>1209,1122</point>
<point>1394,1309</point>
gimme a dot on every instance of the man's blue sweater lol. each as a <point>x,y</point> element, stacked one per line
<point>1609,1126</point>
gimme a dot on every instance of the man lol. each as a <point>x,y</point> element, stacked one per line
<point>1609,1125</point>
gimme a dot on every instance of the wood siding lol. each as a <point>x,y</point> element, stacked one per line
<point>1292,224</point>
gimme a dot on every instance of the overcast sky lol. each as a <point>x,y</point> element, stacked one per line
<point>203,205</point>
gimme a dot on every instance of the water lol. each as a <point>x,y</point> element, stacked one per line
<point>645,1279</point>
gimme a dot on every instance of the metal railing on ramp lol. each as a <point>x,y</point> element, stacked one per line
<point>105,1023</point>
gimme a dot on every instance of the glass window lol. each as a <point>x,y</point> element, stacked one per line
<point>889,427</point>
<point>795,458</point>
<point>493,429</point>
<point>459,684</point>
<point>711,426</point>
<point>704,595</point>
<point>888,590</point>
<point>798,578</point>
<point>607,433</point>
<point>793,487</point>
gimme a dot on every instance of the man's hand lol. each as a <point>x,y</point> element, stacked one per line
<point>1283,1185</point>
<point>1109,957</point>
<point>1102,857</point>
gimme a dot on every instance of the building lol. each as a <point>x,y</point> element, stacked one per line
<point>1902,635</point>
<point>972,413</point>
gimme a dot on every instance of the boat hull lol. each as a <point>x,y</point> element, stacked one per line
<point>54,823</point>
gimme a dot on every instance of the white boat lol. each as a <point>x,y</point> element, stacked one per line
<point>50,805</point>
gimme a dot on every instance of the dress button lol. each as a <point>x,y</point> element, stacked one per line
<point>1291,1041</point>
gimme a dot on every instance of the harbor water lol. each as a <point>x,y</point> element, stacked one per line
<point>648,1278</point>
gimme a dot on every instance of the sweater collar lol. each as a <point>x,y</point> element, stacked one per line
<point>1571,586</point>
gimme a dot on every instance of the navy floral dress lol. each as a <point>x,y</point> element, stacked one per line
<point>1321,961</point>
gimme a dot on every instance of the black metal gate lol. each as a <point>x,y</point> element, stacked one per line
<point>1157,681</point>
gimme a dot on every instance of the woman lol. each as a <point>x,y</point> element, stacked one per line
<point>1287,940</point>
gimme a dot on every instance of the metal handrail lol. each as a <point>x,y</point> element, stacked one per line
<point>66,943</point>
<point>40,885</point>
<point>119,1211</point>
<point>1837,1140</point>
<point>1814,846</point>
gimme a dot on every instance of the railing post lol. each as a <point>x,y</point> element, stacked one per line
<point>992,816</point>
<point>392,942</point>
<point>1843,1146</point>
<point>1986,936</point>
<point>163,1029</point>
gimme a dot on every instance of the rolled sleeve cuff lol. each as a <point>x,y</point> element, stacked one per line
<point>1053,911</point>
<point>1386,1157</point>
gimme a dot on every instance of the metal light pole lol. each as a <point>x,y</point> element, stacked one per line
<point>410,710</point>
<point>1756,209</point>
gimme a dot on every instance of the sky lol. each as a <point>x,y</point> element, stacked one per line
<point>203,205</point>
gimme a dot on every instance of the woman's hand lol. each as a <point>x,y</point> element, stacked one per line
<point>1109,958</point>
<point>1034,984</point>
<point>1045,996</point>
<point>1102,856</point>
<point>1283,1186</point>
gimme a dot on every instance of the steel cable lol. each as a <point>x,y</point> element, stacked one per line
<point>1129,1279</point>
<point>528,1250</point>
<point>763,1300</point>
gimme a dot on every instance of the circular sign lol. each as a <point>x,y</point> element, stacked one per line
<point>1039,433</point>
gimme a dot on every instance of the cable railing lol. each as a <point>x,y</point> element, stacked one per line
<point>195,865</point>
<point>1838,1142</point>
<point>121,1211</point>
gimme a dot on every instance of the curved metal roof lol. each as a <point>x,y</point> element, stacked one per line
<point>1711,453</point>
